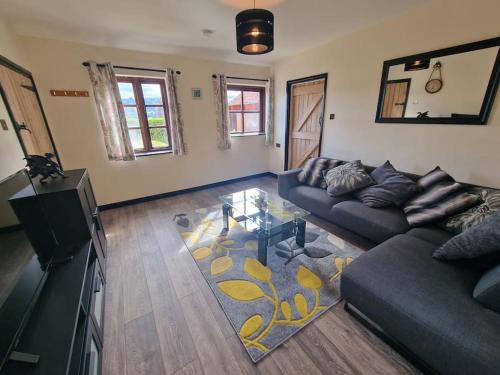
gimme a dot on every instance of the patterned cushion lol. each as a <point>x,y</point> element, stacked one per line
<point>441,197</point>
<point>393,188</point>
<point>312,173</point>
<point>347,178</point>
<point>476,214</point>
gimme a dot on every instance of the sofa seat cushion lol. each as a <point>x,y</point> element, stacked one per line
<point>431,234</point>
<point>313,199</point>
<point>375,224</point>
<point>426,305</point>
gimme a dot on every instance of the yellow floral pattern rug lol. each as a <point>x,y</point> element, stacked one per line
<point>265,304</point>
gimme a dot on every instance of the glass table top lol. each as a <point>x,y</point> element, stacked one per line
<point>266,210</point>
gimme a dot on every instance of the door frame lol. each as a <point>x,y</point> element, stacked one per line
<point>19,69</point>
<point>407,93</point>
<point>289,85</point>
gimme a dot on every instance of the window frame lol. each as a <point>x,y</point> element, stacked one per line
<point>262,110</point>
<point>141,106</point>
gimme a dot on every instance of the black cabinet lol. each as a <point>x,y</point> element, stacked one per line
<point>61,216</point>
<point>93,355</point>
<point>86,357</point>
<point>66,326</point>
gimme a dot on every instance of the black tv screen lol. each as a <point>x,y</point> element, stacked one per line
<point>21,274</point>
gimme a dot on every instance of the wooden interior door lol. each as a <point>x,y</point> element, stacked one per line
<point>396,98</point>
<point>307,101</point>
<point>29,120</point>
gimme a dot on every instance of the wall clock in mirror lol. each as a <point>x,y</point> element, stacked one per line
<point>434,85</point>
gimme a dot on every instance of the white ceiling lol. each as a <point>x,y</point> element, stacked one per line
<point>175,26</point>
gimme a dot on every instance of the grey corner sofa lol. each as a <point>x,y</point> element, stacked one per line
<point>422,306</point>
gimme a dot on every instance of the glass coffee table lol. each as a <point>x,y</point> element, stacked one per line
<point>274,219</point>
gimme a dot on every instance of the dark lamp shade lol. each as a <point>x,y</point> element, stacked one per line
<point>255,31</point>
<point>417,65</point>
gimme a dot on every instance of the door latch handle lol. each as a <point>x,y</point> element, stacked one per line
<point>22,126</point>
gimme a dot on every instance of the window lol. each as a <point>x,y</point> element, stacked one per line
<point>246,109</point>
<point>145,104</point>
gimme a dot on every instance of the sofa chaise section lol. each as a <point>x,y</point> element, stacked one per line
<point>425,305</point>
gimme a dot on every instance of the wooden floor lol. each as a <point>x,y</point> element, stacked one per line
<point>162,318</point>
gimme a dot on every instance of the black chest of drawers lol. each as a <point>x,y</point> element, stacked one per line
<point>61,217</point>
<point>65,328</point>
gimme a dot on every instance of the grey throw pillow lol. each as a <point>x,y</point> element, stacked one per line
<point>487,290</point>
<point>312,173</point>
<point>347,178</point>
<point>440,197</point>
<point>392,188</point>
<point>476,214</point>
<point>482,240</point>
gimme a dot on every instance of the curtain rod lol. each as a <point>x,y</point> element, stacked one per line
<point>133,68</point>
<point>247,79</point>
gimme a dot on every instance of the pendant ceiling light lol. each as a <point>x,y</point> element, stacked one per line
<point>255,31</point>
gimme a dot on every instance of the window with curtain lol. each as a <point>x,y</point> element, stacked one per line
<point>246,107</point>
<point>146,110</point>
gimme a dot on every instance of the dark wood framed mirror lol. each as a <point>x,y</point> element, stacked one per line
<point>455,85</point>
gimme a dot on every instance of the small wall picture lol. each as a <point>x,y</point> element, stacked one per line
<point>196,93</point>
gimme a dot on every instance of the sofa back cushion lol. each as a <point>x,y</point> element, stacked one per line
<point>440,197</point>
<point>392,188</point>
<point>487,290</point>
<point>312,173</point>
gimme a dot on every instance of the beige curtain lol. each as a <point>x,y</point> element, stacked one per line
<point>221,112</point>
<point>110,111</point>
<point>269,125</point>
<point>175,115</point>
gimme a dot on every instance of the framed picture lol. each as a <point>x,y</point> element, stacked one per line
<point>196,93</point>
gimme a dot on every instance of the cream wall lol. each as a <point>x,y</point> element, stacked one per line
<point>354,67</point>
<point>10,44</point>
<point>78,137</point>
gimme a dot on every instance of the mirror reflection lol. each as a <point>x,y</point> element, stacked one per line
<point>452,86</point>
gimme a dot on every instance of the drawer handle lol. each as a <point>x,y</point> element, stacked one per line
<point>95,219</point>
<point>97,286</point>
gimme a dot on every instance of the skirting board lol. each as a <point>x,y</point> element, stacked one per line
<point>182,191</point>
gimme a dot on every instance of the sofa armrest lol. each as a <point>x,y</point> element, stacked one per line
<point>287,180</point>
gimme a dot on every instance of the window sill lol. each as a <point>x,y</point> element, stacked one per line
<point>246,134</point>
<point>152,153</point>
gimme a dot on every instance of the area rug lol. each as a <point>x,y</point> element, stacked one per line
<point>265,304</point>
